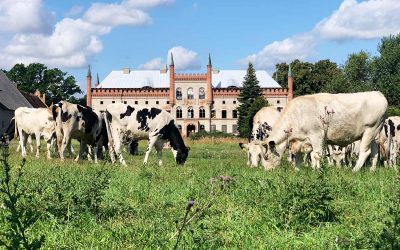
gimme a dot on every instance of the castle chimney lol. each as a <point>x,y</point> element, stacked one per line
<point>172,82</point>
<point>89,88</point>
<point>290,84</point>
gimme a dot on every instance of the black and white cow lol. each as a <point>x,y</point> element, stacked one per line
<point>126,123</point>
<point>81,123</point>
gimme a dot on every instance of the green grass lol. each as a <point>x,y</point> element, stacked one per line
<point>104,206</point>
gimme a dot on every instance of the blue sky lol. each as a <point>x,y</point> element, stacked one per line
<point>110,35</point>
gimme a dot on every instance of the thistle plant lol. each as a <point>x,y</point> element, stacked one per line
<point>18,219</point>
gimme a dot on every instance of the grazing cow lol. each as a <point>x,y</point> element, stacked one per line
<point>339,119</point>
<point>10,133</point>
<point>37,121</point>
<point>255,153</point>
<point>262,122</point>
<point>387,141</point>
<point>125,123</point>
<point>81,123</point>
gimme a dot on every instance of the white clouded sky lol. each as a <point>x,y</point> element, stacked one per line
<point>112,34</point>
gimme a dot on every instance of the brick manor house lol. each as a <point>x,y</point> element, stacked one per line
<point>198,101</point>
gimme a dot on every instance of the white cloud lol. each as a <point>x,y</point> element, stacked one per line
<point>184,58</point>
<point>71,40</point>
<point>156,63</point>
<point>361,20</point>
<point>25,16</point>
<point>295,47</point>
<point>116,14</point>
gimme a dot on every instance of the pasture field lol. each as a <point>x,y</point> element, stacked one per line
<point>88,206</point>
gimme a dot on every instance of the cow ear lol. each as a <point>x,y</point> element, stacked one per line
<point>271,144</point>
<point>243,146</point>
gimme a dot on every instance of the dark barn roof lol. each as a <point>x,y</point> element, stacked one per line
<point>10,97</point>
<point>34,100</point>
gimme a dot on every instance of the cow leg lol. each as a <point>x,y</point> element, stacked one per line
<point>49,144</point>
<point>152,140</point>
<point>159,147</point>
<point>374,155</point>
<point>66,141</point>
<point>23,137</point>
<point>30,143</point>
<point>365,150</point>
<point>82,149</point>
<point>37,136</point>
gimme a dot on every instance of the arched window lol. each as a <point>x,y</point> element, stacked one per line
<point>202,112</point>
<point>190,112</point>
<point>178,112</point>
<point>202,93</point>
<point>190,93</point>
<point>178,94</point>
<point>202,127</point>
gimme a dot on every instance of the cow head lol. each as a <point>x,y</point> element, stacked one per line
<point>273,154</point>
<point>181,155</point>
<point>255,152</point>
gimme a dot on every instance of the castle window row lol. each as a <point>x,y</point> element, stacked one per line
<point>190,94</point>
<point>202,113</point>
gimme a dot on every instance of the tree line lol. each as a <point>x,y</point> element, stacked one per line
<point>361,72</point>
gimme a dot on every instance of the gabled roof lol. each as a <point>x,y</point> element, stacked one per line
<point>10,97</point>
<point>159,79</point>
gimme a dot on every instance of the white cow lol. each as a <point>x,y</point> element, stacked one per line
<point>340,119</point>
<point>34,121</point>
<point>81,123</point>
<point>126,123</point>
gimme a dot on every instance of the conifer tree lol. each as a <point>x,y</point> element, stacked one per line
<point>250,92</point>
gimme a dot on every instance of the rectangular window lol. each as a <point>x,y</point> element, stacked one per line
<point>113,102</point>
<point>223,102</point>
<point>224,128</point>
<point>101,102</point>
<point>234,114</point>
<point>223,113</point>
<point>234,102</point>
<point>213,128</point>
<point>125,102</point>
<point>157,102</point>
<point>136,102</point>
<point>147,102</point>
<point>234,129</point>
<point>167,102</point>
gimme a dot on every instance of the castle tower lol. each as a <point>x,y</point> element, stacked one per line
<point>290,84</point>
<point>89,88</point>
<point>172,82</point>
<point>209,95</point>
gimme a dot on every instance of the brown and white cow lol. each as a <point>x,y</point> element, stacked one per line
<point>81,123</point>
<point>34,121</point>
<point>339,119</point>
<point>126,123</point>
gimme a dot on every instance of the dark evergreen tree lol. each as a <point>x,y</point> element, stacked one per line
<point>250,91</point>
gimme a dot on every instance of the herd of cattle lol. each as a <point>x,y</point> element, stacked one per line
<point>119,125</point>
<point>350,125</point>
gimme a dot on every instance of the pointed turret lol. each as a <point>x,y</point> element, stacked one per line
<point>172,60</point>
<point>97,80</point>
<point>89,88</point>
<point>290,84</point>
<point>89,73</point>
<point>209,59</point>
